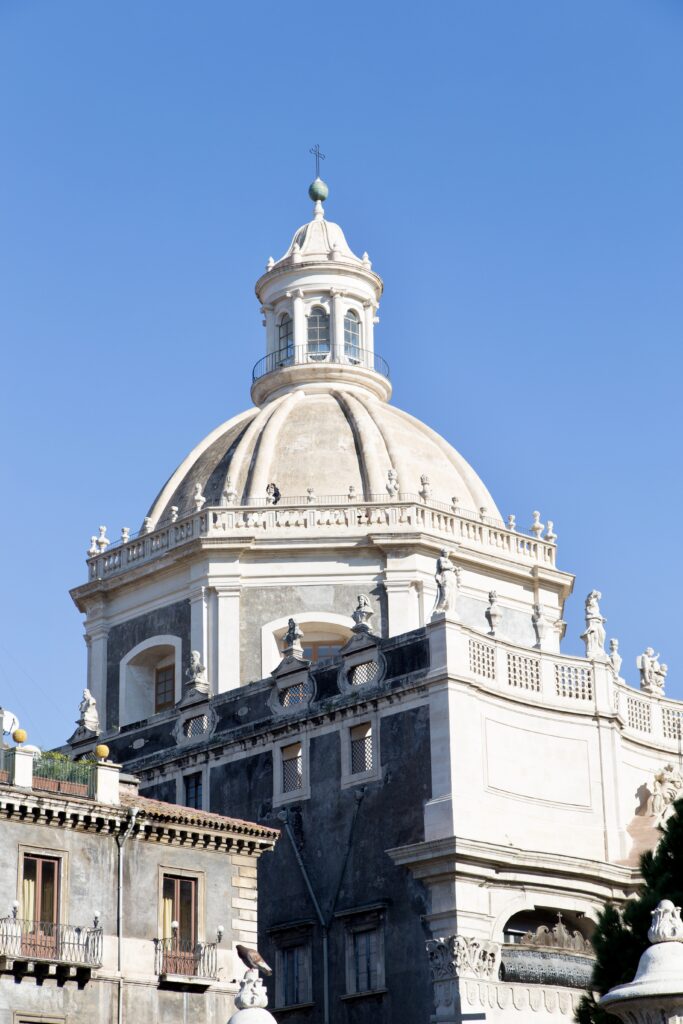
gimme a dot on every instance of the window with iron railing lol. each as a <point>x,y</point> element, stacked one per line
<point>292,767</point>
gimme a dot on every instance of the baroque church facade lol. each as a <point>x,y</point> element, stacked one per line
<point>326,626</point>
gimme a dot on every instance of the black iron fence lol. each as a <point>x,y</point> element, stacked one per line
<point>299,355</point>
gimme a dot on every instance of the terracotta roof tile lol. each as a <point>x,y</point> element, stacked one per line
<point>168,813</point>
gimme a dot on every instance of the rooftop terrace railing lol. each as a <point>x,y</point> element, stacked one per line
<point>311,513</point>
<point>305,355</point>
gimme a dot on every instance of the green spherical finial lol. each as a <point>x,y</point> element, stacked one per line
<point>318,190</point>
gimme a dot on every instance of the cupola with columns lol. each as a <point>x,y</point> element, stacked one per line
<point>319,303</point>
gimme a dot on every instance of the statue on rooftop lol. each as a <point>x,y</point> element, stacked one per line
<point>292,638</point>
<point>538,623</point>
<point>614,657</point>
<point>89,717</point>
<point>594,634</point>
<point>447,582</point>
<point>493,613</point>
<point>392,483</point>
<point>362,613</point>
<point>196,674</point>
<point>198,498</point>
<point>425,487</point>
<point>652,674</point>
<point>666,789</point>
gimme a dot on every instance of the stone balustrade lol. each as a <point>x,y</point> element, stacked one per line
<point>312,514</point>
<point>576,684</point>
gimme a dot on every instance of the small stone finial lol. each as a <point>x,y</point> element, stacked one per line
<point>93,549</point>
<point>537,525</point>
<point>482,512</point>
<point>352,493</point>
<point>512,523</point>
<point>392,483</point>
<point>425,491</point>
<point>362,614</point>
<point>174,513</point>
<point>310,496</point>
<point>270,264</point>
<point>125,534</point>
<point>550,534</point>
<point>148,525</point>
<point>455,503</point>
<point>103,541</point>
<point>666,923</point>
<point>493,613</point>
<point>198,498</point>
<point>252,992</point>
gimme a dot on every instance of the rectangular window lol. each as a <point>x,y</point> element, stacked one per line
<point>292,768</point>
<point>179,925</point>
<point>40,905</point>
<point>361,748</point>
<point>164,688</point>
<point>365,960</point>
<point>193,790</point>
<point>293,975</point>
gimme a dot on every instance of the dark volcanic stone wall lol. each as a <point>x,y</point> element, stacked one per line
<point>172,620</point>
<point>342,835</point>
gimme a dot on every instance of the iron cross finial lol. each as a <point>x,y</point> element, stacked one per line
<point>315,151</point>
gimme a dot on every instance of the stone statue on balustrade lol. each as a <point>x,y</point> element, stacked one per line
<point>272,494</point>
<point>90,718</point>
<point>197,687</point>
<point>594,635</point>
<point>539,625</point>
<point>362,614</point>
<point>493,613</point>
<point>447,583</point>
<point>615,658</point>
<point>392,483</point>
<point>652,674</point>
<point>666,789</point>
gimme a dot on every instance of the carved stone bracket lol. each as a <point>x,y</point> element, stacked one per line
<point>459,957</point>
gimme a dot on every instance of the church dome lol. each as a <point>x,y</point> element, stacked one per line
<point>322,431</point>
<point>323,446</point>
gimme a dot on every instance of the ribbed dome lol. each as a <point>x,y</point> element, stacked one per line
<point>329,441</point>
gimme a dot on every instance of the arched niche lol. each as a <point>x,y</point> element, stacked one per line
<point>151,670</point>
<point>322,630</point>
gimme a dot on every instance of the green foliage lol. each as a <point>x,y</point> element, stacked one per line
<point>621,938</point>
<point>53,755</point>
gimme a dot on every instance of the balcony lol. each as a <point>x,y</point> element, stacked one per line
<point>306,355</point>
<point>182,962</point>
<point>47,947</point>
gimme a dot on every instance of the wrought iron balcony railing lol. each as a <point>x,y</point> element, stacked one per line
<point>50,942</point>
<point>182,959</point>
<point>308,355</point>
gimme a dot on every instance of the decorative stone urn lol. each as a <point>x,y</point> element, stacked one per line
<point>656,992</point>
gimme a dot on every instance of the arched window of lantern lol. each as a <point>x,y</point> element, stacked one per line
<point>352,336</point>
<point>150,678</point>
<point>285,335</point>
<point>318,333</point>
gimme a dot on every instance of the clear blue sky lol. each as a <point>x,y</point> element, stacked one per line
<point>515,171</point>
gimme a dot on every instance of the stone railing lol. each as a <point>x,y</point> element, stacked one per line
<point>311,514</point>
<point>576,684</point>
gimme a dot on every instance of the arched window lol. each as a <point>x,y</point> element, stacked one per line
<point>149,679</point>
<point>318,333</point>
<point>352,336</point>
<point>285,332</point>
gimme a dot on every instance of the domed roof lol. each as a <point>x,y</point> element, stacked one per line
<point>320,239</point>
<point>326,440</point>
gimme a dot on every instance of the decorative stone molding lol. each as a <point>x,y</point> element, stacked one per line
<point>457,956</point>
<point>558,937</point>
